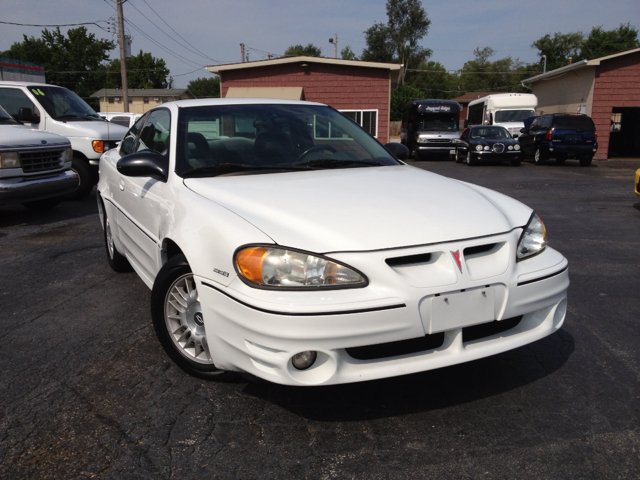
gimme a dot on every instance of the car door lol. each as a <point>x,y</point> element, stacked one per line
<point>141,199</point>
<point>526,139</point>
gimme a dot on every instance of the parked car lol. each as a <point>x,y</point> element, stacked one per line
<point>559,136</point>
<point>35,166</point>
<point>126,119</point>
<point>487,143</point>
<point>58,110</point>
<point>280,239</point>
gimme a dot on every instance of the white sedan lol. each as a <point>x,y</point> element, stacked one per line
<point>280,240</point>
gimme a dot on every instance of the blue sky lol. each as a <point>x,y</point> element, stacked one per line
<point>209,32</point>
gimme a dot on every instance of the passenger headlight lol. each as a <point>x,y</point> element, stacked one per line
<point>423,140</point>
<point>510,147</point>
<point>516,146</point>
<point>281,268</point>
<point>486,147</point>
<point>533,239</point>
<point>478,147</point>
<point>9,160</point>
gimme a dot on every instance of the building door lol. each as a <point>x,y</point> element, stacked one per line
<point>624,140</point>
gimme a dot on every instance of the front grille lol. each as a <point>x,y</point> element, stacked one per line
<point>476,332</point>
<point>393,349</point>
<point>41,160</point>
<point>498,147</point>
<point>440,141</point>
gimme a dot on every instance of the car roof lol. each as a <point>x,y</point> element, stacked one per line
<point>237,101</point>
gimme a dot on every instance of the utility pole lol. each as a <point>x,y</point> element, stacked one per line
<point>123,63</point>
<point>334,40</point>
<point>242,52</point>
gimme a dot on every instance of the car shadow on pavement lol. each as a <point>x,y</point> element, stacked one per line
<point>636,206</point>
<point>12,215</point>
<point>426,391</point>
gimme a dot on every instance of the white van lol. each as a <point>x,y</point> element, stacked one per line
<point>505,109</point>
<point>61,111</point>
<point>121,118</point>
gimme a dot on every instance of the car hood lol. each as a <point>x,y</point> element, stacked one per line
<point>20,136</point>
<point>94,129</point>
<point>360,209</point>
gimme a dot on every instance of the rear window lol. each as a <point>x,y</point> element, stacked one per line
<point>573,122</point>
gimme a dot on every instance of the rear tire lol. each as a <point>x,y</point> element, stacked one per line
<point>585,161</point>
<point>86,180</point>
<point>470,160</point>
<point>458,156</point>
<point>539,158</point>
<point>178,321</point>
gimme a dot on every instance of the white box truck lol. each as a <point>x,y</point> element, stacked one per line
<point>58,110</point>
<point>505,109</point>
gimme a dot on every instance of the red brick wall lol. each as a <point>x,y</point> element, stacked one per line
<point>617,84</point>
<point>342,87</point>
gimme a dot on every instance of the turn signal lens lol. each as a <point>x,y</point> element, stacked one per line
<point>98,146</point>
<point>284,268</point>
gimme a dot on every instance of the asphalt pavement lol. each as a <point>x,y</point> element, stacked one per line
<point>86,390</point>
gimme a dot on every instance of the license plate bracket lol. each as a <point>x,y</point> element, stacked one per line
<point>461,309</point>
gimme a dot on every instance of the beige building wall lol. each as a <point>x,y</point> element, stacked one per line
<point>566,93</point>
<point>138,104</point>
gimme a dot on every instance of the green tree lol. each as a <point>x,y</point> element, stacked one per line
<point>298,50</point>
<point>558,48</point>
<point>143,71</point>
<point>481,74</point>
<point>347,54</point>
<point>432,80</point>
<point>205,87</point>
<point>601,43</point>
<point>400,97</point>
<point>72,61</point>
<point>397,40</point>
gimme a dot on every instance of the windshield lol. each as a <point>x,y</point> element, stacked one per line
<point>5,117</point>
<point>63,104</point>
<point>215,140</point>
<point>489,132</point>
<point>503,116</point>
<point>430,122</point>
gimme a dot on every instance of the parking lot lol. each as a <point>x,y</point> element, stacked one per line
<point>86,390</point>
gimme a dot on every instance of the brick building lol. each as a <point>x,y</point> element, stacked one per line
<point>360,90</point>
<point>607,89</point>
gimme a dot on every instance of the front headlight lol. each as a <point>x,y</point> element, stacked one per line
<point>478,147</point>
<point>282,268</point>
<point>517,146</point>
<point>9,160</point>
<point>67,155</point>
<point>423,140</point>
<point>533,239</point>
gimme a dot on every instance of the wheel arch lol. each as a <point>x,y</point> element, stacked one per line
<point>169,250</point>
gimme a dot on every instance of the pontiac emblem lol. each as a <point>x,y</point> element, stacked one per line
<point>456,257</point>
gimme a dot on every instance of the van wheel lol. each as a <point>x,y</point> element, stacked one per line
<point>585,161</point>
<point>86,179</point>
<point>539,158</point>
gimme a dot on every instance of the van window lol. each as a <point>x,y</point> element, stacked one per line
<point>63,104</point>
<point>13,99</point>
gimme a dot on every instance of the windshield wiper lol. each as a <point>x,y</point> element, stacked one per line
<point>83,117</point>
<point>335,163</point>
<point>224,168</point>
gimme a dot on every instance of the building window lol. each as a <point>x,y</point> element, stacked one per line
<point>130,100</point>
<point>165,99</point>
<point>367,119</point>
<point>112,100</point>
<point>145,99</point>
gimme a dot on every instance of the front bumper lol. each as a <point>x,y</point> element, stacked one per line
<point>28,189</point>
<point>258,331</point>
<point>505,156</point>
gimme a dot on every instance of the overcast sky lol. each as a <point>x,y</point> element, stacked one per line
<point>191,34</point>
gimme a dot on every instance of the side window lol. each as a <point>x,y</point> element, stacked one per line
<point>13,99</point>
<point>129,141</point>
<point>155,133</point>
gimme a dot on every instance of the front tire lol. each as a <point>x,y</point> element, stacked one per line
<point>178,320</point>
<point>458,156</point>
<point>86,180</point>
<point>470,160</point>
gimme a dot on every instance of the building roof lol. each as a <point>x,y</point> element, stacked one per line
<point>285,60</point>
<point>471,96</point>
<point>141,92</point>
<point>581,64</point>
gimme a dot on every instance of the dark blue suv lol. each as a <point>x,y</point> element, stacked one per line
<point>559,136</point>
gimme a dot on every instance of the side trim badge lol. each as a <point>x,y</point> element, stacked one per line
<point>456,257</point>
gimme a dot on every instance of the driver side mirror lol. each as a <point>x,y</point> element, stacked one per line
<point>398,150</point>
<point>144,164</point>
<point>26,115</point>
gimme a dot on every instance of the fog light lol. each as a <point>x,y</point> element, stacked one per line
<point>304,360</point>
